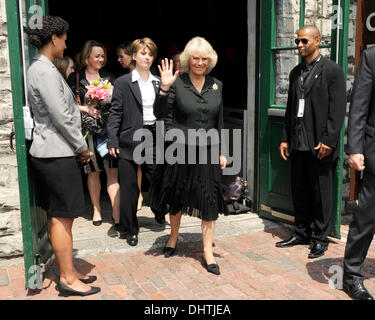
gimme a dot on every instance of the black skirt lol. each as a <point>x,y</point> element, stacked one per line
<point>58,186</point>
<point>193,189</point>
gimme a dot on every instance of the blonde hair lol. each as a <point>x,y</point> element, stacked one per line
<point>139,44</point>
<point>62,65</point>
<point>87,49</point>
<point>203,47</point>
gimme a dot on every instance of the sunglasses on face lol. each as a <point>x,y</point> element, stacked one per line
<point>304,41</point>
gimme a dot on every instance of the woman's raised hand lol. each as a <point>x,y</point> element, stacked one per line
<point>166,74</point>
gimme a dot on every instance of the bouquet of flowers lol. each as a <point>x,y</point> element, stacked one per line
<point>98,94</point>
<point>100,90</point>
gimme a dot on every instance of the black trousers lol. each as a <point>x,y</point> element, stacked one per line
<point>361,231</point>
<point>312,183</point>
<point>129,190</point>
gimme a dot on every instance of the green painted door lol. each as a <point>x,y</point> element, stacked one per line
<point>37,249</point>
<point>280,20</point>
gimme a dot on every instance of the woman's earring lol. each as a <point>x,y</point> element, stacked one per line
<point>54,43</point>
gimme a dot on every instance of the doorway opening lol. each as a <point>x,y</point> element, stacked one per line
<point>170,27</point>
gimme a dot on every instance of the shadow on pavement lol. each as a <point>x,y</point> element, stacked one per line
<point>325,269</point>
<point>189,245</point>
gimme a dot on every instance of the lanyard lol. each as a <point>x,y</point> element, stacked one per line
<point>302,78</point>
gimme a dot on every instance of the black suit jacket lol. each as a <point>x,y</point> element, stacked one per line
<point>126,115</point>
<point>361,126</point>
<point>325,107</point>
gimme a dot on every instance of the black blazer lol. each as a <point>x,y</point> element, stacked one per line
<point>190,109</point>
<point>361,126</point>
<point>325,107</point>
<point>126,115</point>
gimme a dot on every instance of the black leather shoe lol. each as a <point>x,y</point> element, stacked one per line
<point>357,291</point>
<point>67,291</point>
<point>293,241</point>
<point>97,223</point>
<point>212,268</point>
<point>317,250</point>
<point>160,219</point>
<point>132,240</point>
<point>168,251</point>
<point>89,280</point>
<point>116,225</point>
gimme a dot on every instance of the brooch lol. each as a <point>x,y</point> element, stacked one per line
<point>215,87</point>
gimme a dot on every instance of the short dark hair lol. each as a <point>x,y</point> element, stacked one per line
<point>126,47</point>
<point>51,25</point>
<point>144,43</point>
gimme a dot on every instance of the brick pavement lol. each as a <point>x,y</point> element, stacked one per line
<point>252,268</point>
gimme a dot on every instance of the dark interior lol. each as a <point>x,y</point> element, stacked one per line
<point>170,27</point>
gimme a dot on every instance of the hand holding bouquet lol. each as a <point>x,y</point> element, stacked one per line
<point>98,95</point>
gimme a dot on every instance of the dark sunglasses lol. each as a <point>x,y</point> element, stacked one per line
<point>304,41</point>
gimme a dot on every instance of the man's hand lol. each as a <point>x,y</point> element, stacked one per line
<point>114,152</point>
<point>357,161</point>
<point>324,151</point>
<point>284,150</point>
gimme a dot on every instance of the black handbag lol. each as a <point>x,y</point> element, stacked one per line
<point>237,208</point>
<point>235,190</point>
<point>237,198</point>
<point>91,125</point>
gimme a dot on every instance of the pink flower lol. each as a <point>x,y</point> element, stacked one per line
<point>99,90</point>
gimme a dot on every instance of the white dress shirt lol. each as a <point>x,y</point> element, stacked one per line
<point>148,96</point>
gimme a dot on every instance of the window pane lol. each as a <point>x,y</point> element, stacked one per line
<point>318,13</point>
<point>287,21</point>
<point>284,62</point>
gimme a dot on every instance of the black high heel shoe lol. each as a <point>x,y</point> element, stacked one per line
<point>97,223</point>
<point>89,280</point>
<point>213,268</point>
<point>67,291</point>
<point>168,251</point>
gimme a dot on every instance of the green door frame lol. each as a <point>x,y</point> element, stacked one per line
<point>34,241</point>
<point>266,99</point>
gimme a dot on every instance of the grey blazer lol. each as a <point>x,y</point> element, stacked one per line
<point>56,114</point>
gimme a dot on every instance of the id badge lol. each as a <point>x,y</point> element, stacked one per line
<point>301,108</point>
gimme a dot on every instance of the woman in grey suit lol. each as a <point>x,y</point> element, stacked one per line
<point>56,144</point>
